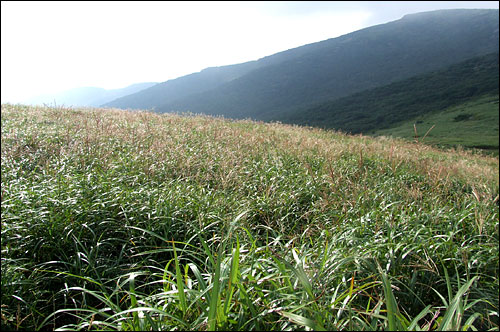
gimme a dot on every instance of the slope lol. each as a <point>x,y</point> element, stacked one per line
<point>139,221</point>
<point>182,86</point>
<point>473,124</point>
<point>404,100</point>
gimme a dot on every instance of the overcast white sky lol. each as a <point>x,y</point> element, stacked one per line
<point>48,47</point>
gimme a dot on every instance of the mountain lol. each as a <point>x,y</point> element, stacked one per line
<point>183,86</point>
<point>88,96</point>
<point>386,106</point>
<point>320,72</point>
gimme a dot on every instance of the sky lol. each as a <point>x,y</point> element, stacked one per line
<point>48,47</point>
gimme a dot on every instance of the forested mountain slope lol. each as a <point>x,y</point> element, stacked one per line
<point>404,100</point>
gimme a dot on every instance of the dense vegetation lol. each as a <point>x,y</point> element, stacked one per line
<point>472,125</point>
<point>405,100</point>
<point>140,221</point>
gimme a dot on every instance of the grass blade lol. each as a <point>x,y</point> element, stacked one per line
<point>301,320</point>
<point>233,275</point>
<point>215,296</point>
<point>180,282</point>
<point>450,319</point>
<point>390,302</point>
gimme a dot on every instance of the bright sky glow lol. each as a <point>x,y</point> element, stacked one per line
<point>47,47</point>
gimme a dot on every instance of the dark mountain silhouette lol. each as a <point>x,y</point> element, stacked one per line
<point>298,79</point>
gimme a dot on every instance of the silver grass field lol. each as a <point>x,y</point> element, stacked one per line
<point>118,220</point>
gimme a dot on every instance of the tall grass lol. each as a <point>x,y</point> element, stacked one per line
<point>115,220</point>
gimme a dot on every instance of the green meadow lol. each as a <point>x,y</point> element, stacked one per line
<point>472,125</point>
<point>117,220</point>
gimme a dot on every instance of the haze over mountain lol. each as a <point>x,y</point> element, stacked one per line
<point>88,96</point>
<point>183,86</point>
<point>321,72</point>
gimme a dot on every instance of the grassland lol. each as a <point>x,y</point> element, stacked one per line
<point>115,220</point>
<point>473,124</point>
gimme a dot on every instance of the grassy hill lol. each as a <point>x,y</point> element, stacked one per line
<point>402,103</point>
<point>472,124</point>
<point>115,220</point>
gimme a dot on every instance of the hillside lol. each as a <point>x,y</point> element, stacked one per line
<point>88,96</point>
<point>473,124</point>
<point>207,79</point>
<point>335,68</point>
<point>117,220</point>
<point>405,100</point>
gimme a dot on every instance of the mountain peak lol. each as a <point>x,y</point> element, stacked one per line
<point>446,12</point>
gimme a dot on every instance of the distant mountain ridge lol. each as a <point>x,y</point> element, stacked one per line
<point>88,96</point>
<point>207,79</point>
<point>324,71</point>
